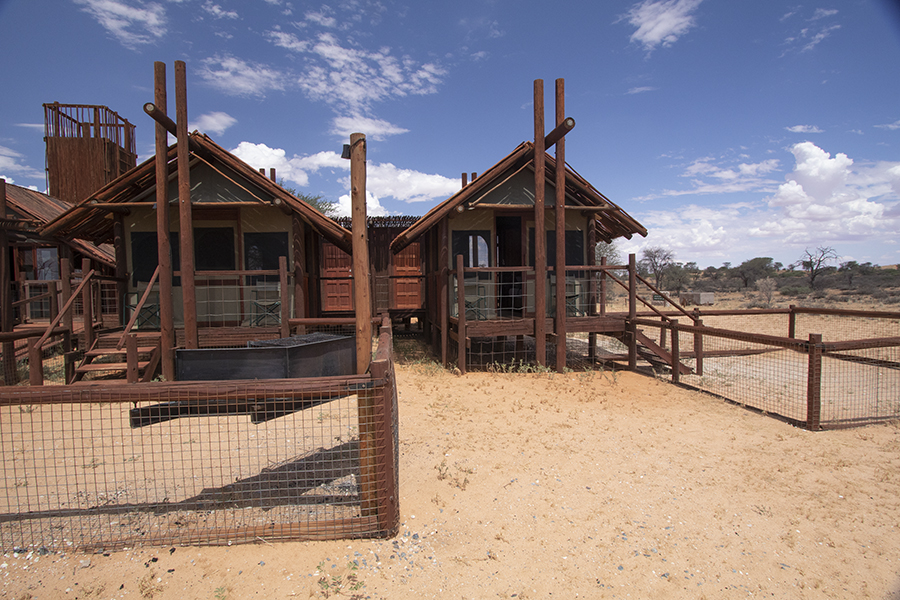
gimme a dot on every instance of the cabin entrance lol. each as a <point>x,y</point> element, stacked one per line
<point>509,254</point>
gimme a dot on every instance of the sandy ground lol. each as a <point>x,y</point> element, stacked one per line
<point>594,485</point>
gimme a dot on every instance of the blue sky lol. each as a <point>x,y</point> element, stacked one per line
<point>729,129</point>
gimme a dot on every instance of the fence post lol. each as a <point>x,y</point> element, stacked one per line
<point>35,363</point>
<point>698,347</point>
<point>792,322</point>
<point>284,297</point>
<point>131,358</point>
<point>814,383</point>
<point>388,509</point>
<point>632,312</point>
<point>461,312</point>
<point>676,354</point>
<point>602,287</point>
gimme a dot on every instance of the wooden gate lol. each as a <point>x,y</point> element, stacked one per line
<point>408,278</point>
<point>337,282</point>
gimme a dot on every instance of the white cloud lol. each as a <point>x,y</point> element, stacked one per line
<point>215,123</point>
<point>237,77</point>
<point>356,78</point>
<point>375,129</point>
<point>641,90</point>
<point>712,176</point>
<point>132,23</point>
<point>804,129</point>
<point>892,126</point>
<point>384,180</point>
<point>814,32</point>
<point>373,206</point>
<point>218,12</point>
<point>407,185</point>
<point>830,199</point>
<point>9,163</point>
<point>661,22</point>
<point>320,18</point>
<point>35,126</point>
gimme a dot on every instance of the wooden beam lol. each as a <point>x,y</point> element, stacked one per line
<point>186,233</point>
<point>361,283</point>
<point>560,228</point>
<point>564,126</point>
<point>163,247</point>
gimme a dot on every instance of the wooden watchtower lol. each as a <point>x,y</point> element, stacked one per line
<point>87,147</point>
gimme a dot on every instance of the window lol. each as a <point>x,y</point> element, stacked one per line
<point>475,250</point>
<point>261,252</point>
<point>213,251</point>
<point>574,247</point>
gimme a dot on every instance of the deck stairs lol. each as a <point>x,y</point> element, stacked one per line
<point>104,360</point>
<point>653,353</point>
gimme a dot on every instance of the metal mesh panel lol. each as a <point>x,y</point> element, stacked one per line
<point>770,378</point>
<point>221,466</point>
<point>860,386</point>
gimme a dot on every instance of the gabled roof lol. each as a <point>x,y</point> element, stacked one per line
<point>610,220</point>
<point>37,209</point>
<point>93,217</point>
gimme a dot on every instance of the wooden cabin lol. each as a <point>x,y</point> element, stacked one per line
<point>33,260</point>
<point>257,248</point>
<point>480,251</point>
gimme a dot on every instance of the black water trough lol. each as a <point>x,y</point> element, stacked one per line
<point>309,355</point>
<point>301,356</point>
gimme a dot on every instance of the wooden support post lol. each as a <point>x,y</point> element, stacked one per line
<point>676,353</point>
<point>603,286</point>
<point>87,305</point>
<point>163,244</point>
<point>35,363</point>
<point>54,299</point>
<point>444,291</point>
<point>285,297</point>
<point>361,280</point>
<point>698,344</point>
<point>65,275</point>
<point>121,271</point>
<point>299,256</point>
<point>814,383</point>
<point>131,358</point>
<point>560,212</point>
<point>540,236</point>
<point>792,322</point>
<point>632,312</point>
<point>6,310</point>
<point>388,506</point>
<point>461,312</point>
<point>186,226</point>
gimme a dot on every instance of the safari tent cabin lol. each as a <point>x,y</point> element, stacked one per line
<point>244,225</point>
<point>489,277</point>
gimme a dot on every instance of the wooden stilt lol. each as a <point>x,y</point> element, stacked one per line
<point>560,212</point>
<point>540,237</point>
<point>164,251</point>
<point>186,234</point>
<point>362,294</point>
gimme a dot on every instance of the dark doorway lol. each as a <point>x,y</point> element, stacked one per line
<point>509,254</point>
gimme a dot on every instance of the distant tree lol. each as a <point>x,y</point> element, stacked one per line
<point>755,268</point>
<point>676,277</point>
<point>329,209</point>
<point>851,269</point>
<point>815,261</point>
<point>610,251</point>
<point>766,288</point>
<point>655,260</point>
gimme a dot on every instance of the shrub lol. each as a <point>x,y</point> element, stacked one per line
<point>794,291</point>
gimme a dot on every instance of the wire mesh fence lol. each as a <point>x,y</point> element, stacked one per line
<point>817,383</point>
<point>199,463</point>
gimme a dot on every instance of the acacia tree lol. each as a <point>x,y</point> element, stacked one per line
<point>656,260</point>
<point>814,261</point>
<point>755,268</point>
